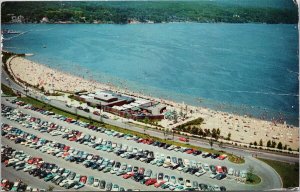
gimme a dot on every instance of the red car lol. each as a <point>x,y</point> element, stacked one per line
<point>148,141</point>
<point>190,151</point>
<point>158,184</point>
<point>37,161</point>
<point>6,162</point>
<point>151,181</point>
<point>66,148</point>
<point>96,113</point>
<point>65,154</point>
<point>128,175</point>
<point>5,184</point>
<point>34,160</point>
<point>83,179</point>
<point>183,139</point>
<point>31,160</point>
<point>73,139</point>
<point>219,169</point>
<point>141,171</point>
<point>222,157</point>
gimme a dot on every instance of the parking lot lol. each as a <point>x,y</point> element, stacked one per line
<point>169,162</point>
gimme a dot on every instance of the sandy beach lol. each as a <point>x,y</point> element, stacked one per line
<point>242,128</point>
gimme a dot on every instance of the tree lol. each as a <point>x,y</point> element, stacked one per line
<point>214,133</point>
<point>194,130</point>
<point>188,129</point>
<point>285,147</point>
<point>218,132</point>
<point>260,142</point>
<point>200,132</point>
<point>250,174</point>
<point>221,144</point>
<point>269,143</point>
<point>273,145</point>
<point>50,188</point>
<point>175,117</point>
<point>279,146</point>
<point>181,113</point>
<point>255,143</point>
<point>211,143</point>
<point>228,136</point>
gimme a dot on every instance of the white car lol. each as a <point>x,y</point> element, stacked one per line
<point>114,170</point>
<point>206,167</point>
<point>243,173</point>
<point>124,154</point>
<point>179,168</point>
<point>212,175</point>
<point>153,162</point>
<point>166,165</point>
<point>230,171</point>
<point>96,183</point>
<point>63,182</point>
<point>200,172</point>
<point>29,168</point>
<point>171,147</point>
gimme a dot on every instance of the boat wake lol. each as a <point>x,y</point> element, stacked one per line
<point>258,92</point>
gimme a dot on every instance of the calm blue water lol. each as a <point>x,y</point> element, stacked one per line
<point>242,68</point>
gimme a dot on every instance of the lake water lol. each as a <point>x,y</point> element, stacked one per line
<point>241,68</point>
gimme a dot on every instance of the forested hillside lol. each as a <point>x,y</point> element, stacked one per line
<point>145,11</point>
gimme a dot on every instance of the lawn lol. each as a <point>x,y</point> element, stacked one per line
<point>289,173</point>
<point>7,90</point>
<point>48,107</point>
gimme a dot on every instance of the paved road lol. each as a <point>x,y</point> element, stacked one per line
<point>268,175</point>
<point>197,142</point>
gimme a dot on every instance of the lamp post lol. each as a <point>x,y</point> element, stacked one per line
<point>173,133</point>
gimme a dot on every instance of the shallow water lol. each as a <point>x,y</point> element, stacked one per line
<point>241,68</point>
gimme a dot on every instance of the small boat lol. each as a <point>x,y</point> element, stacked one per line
<point>28,54</point>
<point>7,31</point>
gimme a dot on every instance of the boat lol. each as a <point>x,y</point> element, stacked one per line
<point>8,31</point>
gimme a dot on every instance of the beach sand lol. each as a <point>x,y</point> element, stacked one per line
<point>243,129</point>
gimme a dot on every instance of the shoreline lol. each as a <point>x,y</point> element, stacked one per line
<point>179,22</point>
<point>227,122</point>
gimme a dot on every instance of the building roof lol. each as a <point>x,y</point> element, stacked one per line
<point>85,97</point>
<point>104,96</point>
<point>155,109</point>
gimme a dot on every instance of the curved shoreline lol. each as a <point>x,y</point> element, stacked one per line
<point>52,79</point>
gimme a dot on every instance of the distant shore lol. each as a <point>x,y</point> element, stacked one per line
<point>242,128</point>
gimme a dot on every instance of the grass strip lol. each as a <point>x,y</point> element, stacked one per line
<point>7,90</point>
<point>288,172</point>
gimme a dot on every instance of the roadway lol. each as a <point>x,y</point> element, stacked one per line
<point>197,142</point>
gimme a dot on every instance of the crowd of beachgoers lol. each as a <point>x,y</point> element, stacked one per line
<point>243,129</point>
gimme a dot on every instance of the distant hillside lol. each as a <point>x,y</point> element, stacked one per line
<point>229,11</point>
